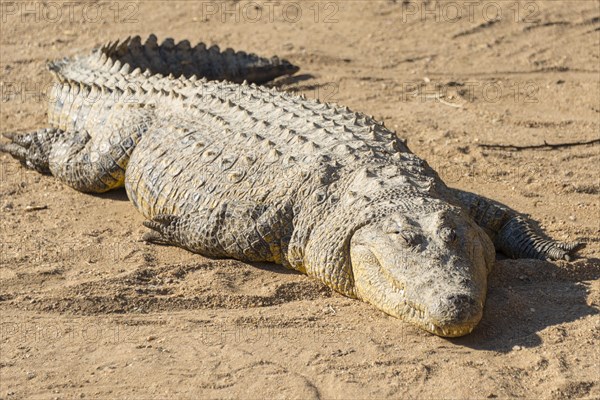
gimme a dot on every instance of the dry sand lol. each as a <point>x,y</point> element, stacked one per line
<point>90,311</point>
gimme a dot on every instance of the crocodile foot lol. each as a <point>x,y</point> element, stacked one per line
<point>164,230</point>
<point>31,148</point>
<point>518,240</point>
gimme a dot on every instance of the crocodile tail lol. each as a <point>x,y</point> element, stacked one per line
<point>175,59</point>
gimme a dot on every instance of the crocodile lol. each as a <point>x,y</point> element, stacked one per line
<point>225,167</point>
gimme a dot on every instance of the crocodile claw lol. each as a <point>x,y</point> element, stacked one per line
<point>163,229</point>
<point>563,250</point>
<point>21,139</point>
<point>15,150</point>
<point>31,148</point>
<point>518,240</point>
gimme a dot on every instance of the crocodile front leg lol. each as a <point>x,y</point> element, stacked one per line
<point>244,231</point>
<point>511,233</point>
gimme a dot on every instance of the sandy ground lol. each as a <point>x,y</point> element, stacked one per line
<point>90,311</point>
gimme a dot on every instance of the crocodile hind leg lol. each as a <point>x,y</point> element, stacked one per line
<point>77,162</point>
<point>32,149</point>
<point>244,231</point>
<point>511,233</point>
<point>93,163</point>
<point>72,158</point>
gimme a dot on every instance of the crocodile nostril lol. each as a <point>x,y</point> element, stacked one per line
<point>461,300</point>
<point>461,307</point>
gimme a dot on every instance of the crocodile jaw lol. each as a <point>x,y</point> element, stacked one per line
<point>442,295</point>
<point>375,285</point>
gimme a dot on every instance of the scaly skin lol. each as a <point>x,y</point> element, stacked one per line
<point>102,104</point>
<point>228,170</point>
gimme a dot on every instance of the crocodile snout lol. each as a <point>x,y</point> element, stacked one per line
<point>461,308</point>
<point>455,313</point>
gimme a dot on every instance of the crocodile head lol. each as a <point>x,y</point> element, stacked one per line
<point>429,269</point>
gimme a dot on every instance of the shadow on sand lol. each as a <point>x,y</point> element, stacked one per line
<point>528,296</point>
<point>290,80</point>
<point>117,194</point>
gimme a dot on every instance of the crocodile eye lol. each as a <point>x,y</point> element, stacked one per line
<point>403,231</point>
<point>411,237</point>
<point>448,235</point>
<point>393,231</point>
<point>392,228</point>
